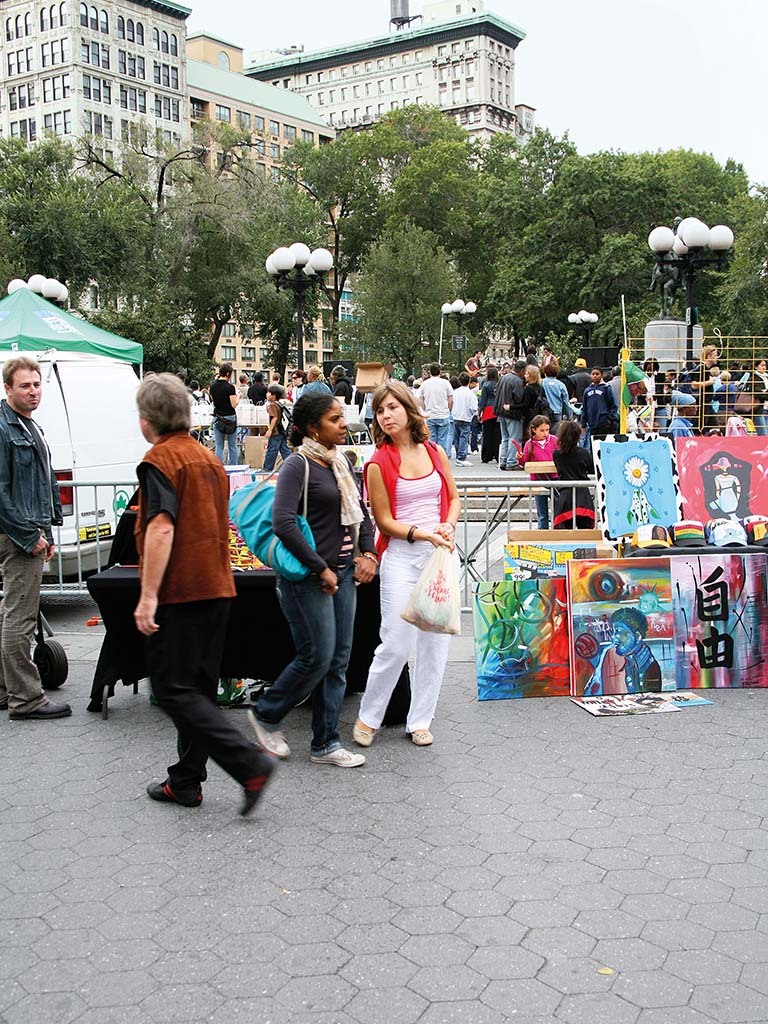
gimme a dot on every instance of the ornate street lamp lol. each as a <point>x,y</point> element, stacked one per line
<point>186,330</point>
<point>299,269</point>
<point>583,322</point>
<point>458,308</point>
<point>48,287</point>
<point>682,252</point>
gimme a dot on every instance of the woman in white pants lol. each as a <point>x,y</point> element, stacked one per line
<point>416,506</point>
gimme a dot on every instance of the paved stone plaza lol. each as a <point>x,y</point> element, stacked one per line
<point>535,865</point>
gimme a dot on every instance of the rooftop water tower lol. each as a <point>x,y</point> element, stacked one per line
<point>400,15</point>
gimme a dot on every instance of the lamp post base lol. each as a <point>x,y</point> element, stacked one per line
<point>665,340</point>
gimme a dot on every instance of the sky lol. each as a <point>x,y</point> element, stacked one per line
<point>627,75</point>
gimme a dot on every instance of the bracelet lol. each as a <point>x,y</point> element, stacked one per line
<point>452,526</point>
<point>370,554</point>
<point>410,537</point>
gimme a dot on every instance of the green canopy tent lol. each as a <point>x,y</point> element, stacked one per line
<point>29,323</point>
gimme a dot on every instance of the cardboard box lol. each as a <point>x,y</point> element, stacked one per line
<point>370,375</point>
<point>526,536</point>
<point>255,447</point>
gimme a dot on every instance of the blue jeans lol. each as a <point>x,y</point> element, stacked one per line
<point>461,438</point>
<point>440,433</point>
<point>229,439</point>
<point>542,511</point>
<point>510,430</point>
<point>761,424</point>
<point>474,433</point>
<point>276,445</point>
<point>322,627</point>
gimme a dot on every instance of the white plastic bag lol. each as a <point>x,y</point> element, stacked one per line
<point>434,604</point>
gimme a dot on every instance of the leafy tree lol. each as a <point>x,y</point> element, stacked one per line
<point>403,282</point>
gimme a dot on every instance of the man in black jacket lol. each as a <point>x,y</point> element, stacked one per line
<point>257,392</point>
<point>341,385</point>
<point>508,409</point>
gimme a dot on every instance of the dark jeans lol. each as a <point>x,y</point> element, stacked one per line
<point>322,627</point>
<point>276,445</point>
<point>183,658</point>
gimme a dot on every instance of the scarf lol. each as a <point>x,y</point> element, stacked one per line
<point>351,512</point>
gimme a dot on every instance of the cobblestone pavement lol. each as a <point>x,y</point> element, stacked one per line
<point>535,865</point>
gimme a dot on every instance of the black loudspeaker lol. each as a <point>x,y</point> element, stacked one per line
<point>348,364</point>
<point>605,358</point>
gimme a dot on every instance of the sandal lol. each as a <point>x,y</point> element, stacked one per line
<point>422,737</point>
<point>362,734</point>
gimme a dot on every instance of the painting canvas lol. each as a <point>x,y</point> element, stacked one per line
<point>669,623</point>
<point>723,478</point>
<point>621,626</point>
<point>721,620</point>
<point>521,639</point>
<point>637,484</point>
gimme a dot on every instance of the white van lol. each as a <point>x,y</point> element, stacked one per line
<point>89,417</point>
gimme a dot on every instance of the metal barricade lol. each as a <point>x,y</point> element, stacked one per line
<point>489,508</point>
<point>84,541</point>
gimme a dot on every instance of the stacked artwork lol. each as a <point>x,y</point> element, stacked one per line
<point>637,625</point>
<point>653,624</point>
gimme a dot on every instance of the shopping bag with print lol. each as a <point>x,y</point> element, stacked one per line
<point>434,604</point>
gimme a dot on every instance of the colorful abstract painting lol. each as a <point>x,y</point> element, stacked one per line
<point>723,477</point>
<point>521,639</point>
<point>721,620</point>
<point>621,626</point>
<point>681,622</point>
<point>637,484</point>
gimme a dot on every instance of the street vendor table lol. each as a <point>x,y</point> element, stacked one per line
<point>258,643</point>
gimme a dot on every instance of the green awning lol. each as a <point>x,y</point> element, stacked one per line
<point>29,323</point>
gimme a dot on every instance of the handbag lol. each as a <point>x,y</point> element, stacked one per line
<point>224,425</point>
<point>250,509</point>
<point>433,604</point>
<point>744,403</point>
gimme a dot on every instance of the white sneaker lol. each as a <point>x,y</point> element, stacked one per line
<point>463,463</point>
<point>341,758</point>
<point>272,742</point>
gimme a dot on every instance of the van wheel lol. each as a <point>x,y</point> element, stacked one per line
<point>51,660</point>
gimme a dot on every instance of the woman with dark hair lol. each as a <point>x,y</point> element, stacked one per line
<point>320,609</point>
<point>416,507</point>
<point>531,393</point>
<point>489,449</point>
<point>574,507</point>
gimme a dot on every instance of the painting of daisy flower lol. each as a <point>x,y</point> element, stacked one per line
<point>637,485</point>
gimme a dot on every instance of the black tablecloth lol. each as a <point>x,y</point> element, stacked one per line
<point>258,644</point>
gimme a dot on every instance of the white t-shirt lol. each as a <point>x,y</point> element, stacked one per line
<point>464,405</point>
<point>434,394</point>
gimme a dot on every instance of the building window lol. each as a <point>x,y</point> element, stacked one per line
<point>244,119</point>
<point>274,127</point>
<point>155,39</point>
<point>174,46</point>
<point>228,351</point>
<point>223,60</point>
<point>289,132</point>
<point>307,136</point>
<point>247,353</point>
<point>139,33</point>
<point>258,123</point>
<point>223,113</point>
<point>164,42</point>
<point>274,151</point>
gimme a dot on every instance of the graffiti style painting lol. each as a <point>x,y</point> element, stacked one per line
<point>723,478</point>
<point>721,620</point>
<point>637,484</point>
<point>545,559</point>
<point>642,625</point>
<point>521,639</point>
<point>621,626</point>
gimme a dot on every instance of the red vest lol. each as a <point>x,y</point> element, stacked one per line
<point>198,569</point>
<point>387,458</point>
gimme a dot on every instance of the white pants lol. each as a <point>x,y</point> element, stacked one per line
<point>401,566</point>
